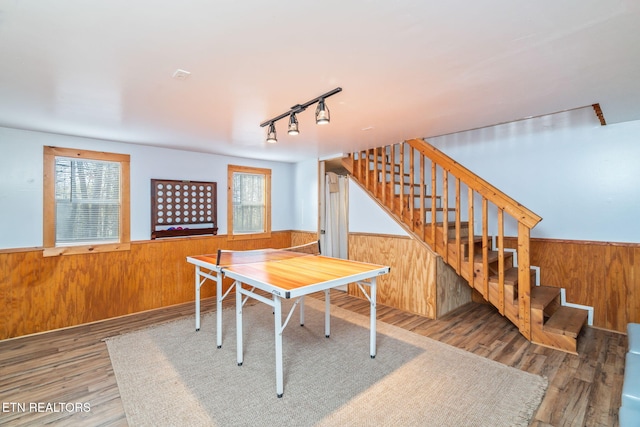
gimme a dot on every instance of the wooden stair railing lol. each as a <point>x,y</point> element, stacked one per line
<point>397,176</point>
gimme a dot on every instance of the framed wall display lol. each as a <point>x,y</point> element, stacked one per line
<point>183,208</point>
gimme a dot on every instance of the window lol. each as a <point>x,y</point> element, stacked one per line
<point>248,202</point>
<point>86,201</point>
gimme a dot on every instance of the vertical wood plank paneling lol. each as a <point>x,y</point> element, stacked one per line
<point>411,283</point>
<point>303,237</point>
<point>586,276</point>
<point>4,296</point>
<point>84,276</point>
<point>368,248</point>
<point>144,256</point>
<point>23,293</point>
<point>620,299</point>
<point>633,288</point>
<point>452,290</point>
<point>44,293</point>
<point>177,272</point>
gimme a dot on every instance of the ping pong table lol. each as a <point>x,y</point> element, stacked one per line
<point>288,274</point>
<point>208,268</point>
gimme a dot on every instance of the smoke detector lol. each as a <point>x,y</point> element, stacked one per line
<point>181,74</point>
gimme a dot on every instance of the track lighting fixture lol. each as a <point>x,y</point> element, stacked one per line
<point>322,115</point>
<point>271,136</point>
<point>293,124</point>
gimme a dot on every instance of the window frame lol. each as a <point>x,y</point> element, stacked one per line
<point>231,169</point>
<point>49,202</point>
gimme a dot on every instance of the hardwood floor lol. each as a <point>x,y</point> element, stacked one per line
<point>70,369</point>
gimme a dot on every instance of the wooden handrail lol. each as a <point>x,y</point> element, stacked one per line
<point>482,187</point>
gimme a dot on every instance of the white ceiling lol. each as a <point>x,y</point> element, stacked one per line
<point>408,68</point>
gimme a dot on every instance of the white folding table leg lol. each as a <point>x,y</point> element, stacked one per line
<point>301,310</point>
<point>219,298</point>
<point>197,297</point>
<point>239,323</point>
<point>372,327</point>
<point>277,311</point>
<point>327,313</point>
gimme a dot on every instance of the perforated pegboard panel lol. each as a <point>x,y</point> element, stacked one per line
<point>183,208</point>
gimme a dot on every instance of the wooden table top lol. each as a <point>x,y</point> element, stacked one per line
<point>303,270</point>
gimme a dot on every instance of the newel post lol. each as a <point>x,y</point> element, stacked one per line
<point>524,280</point>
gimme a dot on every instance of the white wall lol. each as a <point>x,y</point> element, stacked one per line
<point>306,196</point>
<point>582,178</point>
<point>21,182</point>
<point>365,216</point>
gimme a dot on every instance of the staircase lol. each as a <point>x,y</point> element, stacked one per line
<point>463,218</point>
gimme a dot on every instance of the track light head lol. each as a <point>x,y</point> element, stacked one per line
<point>293,125</point>
<point>322,113</point>
<point>271,135</point>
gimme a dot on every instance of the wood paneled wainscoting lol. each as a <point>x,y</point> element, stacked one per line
<point>303,237</point>
<point>44,293</point>
<point>419,282</point>
<point>602,275</point>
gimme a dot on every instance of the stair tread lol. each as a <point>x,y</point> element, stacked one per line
<point>492,256</point>
<point>397,182</point>
<point>541,296</point>
<point>510,276</point>
<point>417,195</point>
<point>566,321</point>
<point>476,239</point>
<point>452,224</point>
<point>427,196</point>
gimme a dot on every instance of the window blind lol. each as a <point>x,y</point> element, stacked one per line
<point>87,198</point>
<point>248,203</point>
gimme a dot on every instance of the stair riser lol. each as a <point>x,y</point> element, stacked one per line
<point>478,268</point>
<point>549,339</point>
<point>510,300</point>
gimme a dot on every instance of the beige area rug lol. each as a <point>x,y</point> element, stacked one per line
<point>171,375</point>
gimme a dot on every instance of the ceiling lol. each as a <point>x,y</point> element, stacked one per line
<point>407,68</point>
